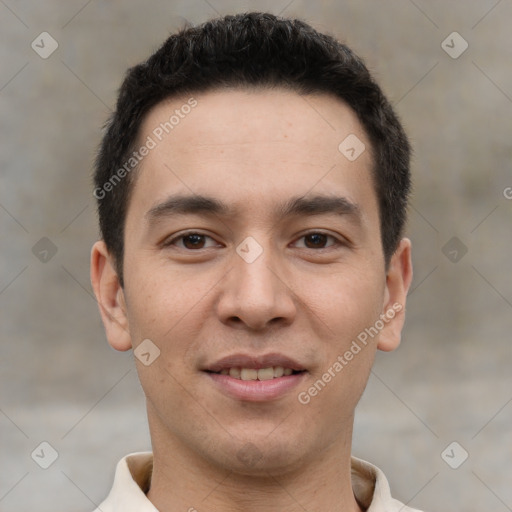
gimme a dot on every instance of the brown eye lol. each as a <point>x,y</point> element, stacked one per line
<point>190,241</point>
<point>193,241</point>
<point>318,240</point>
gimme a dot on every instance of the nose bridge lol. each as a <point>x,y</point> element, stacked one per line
<point>253,292</point>
<point>254,269</point>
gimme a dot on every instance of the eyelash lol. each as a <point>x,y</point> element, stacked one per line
<point>172,241</point>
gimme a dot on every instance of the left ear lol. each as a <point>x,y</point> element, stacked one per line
<point>398,281</point>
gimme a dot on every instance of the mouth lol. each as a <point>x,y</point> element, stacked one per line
<point>272,372</point>
<point>255,378</point>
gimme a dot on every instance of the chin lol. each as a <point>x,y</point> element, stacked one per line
<point>263,458</point>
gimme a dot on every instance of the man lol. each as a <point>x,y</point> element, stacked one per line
<point>252,187</point>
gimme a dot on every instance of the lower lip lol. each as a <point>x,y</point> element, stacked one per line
<point>256,390</point>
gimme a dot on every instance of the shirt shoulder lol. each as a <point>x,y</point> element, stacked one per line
<point>371,488</point>
<point>131,481</point>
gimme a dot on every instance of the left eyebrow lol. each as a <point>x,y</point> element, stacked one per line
<point>296,206</point>
<point>318,205</point>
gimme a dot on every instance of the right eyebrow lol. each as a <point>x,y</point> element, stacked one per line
<point>193,204</point>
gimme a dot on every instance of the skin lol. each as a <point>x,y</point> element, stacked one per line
<point>303,298</point>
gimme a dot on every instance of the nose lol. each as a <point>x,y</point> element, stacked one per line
<point>256,295</point>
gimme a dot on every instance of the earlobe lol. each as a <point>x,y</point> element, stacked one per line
<point>110,297</point>
<point>398,281</point>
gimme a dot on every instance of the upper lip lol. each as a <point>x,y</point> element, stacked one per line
<point>256,362</point>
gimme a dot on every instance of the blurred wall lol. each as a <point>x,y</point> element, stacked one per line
<point>450,381</point>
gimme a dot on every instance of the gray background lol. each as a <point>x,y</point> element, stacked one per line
<point>449,381</point>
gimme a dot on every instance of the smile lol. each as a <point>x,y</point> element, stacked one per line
<point>272,372</point>
<point>255,378</point>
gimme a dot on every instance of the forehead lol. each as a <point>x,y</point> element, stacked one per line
<point>249,116</point>
<point>251,147</point>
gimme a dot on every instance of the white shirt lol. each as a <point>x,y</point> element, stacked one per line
<point>133,476</point>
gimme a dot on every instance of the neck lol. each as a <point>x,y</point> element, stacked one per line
<point>182,480</point>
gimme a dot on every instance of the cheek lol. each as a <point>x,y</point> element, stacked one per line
<point>348,305</point>
<point>346,302</point>
<point>170,309</point>
<point>158,301</point>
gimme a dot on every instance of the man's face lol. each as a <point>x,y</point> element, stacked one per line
<point>225,293</point>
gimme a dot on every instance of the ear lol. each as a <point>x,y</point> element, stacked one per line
<point>110,297</point>
<point>398,281</point>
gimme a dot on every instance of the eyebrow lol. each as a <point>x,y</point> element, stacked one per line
<point>296,206</point>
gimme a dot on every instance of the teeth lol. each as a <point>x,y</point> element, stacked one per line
<point>278,371</point>
<point>266,373</point>
<point>272,372</point>
<point>248,374</point>
<point>234,372</point>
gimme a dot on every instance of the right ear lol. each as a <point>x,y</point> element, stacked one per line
<point>110,297</point>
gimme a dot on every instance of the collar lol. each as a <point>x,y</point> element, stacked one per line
<point>133,476</point>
